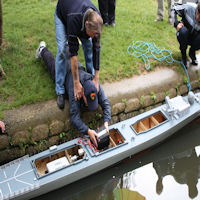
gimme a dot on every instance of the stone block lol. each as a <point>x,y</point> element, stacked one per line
<point>67,125</point>
<point>147,101</point>
<point>56,127</point>
<point>53,140</point>
<point>122,117</point>
<point>183,89</point>
<point>4,141</point>
<point>132,105</point>
<point>114,119</point>
<point>194,84</point>
<point>117,108</point>
<point>11,154</point>
<point>172,92</point>
<point>88,116</point>
<point>21,138</point>
<point>160,97</point>
<point>40,132</point>
<point>132,114</point>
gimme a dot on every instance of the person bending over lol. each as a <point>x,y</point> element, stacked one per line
<point>90,99</point>
<point>76,19</point>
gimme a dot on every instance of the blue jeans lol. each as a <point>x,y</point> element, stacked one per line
<point>61,57</point>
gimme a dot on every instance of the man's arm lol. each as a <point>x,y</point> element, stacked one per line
<point>78,89</point>
<point>74,107</point>
<point>105,105</point>
<point>96,60</point>
<point>177,10</point>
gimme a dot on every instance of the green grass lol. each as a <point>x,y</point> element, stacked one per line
<point>27,22</point>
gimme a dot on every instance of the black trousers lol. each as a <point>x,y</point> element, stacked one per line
<point>49,62</point>
<point>107,10</point>
<point>185,38</point>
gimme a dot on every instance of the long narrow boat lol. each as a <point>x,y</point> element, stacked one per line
<point>29,177</point>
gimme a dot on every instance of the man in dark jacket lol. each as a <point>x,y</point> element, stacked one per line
<point>91,98</point>
<point>188,29</point>
<point>76,19</point>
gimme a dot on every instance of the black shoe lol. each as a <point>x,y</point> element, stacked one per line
<point>61,101</point>
<point>193,58</point>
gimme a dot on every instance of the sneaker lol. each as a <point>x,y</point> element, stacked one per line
<point>39,49</point>
<point>158,20</point>
<point>106,23</point>
<point>113,24</point>
<point>61,101</point>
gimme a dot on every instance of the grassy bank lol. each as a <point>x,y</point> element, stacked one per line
<point>26,23</point>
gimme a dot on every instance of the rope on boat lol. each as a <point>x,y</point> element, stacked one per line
<point>145,50</point>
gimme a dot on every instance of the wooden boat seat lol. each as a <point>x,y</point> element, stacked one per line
<point>154,120</point>
<point>68,157</point>
<point>112,142</point>
<point>142,126</point>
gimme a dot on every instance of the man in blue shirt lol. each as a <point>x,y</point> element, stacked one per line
<point>91,97</point>
<point>76,19</point>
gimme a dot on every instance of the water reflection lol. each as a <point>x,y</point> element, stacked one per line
<point>184,167</point>
<point>169,171</point>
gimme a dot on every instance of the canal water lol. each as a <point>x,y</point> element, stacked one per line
<point>169,171</point>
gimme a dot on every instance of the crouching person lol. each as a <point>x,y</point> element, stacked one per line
<point>188,29</point>
<point>90,99</point>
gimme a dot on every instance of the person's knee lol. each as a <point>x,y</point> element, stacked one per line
<point>61,52</point>
<point>183,32</point>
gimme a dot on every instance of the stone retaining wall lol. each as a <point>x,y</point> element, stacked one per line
<point>56,130</point>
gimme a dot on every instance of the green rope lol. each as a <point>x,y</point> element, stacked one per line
<point>145,50</point>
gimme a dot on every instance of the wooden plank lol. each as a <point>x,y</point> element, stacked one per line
<point>113,143</point>
<point>68,157</point>
<point>142,126</point>
<point>154,120</point>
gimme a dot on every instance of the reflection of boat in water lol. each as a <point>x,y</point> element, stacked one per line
<point>66,163</point>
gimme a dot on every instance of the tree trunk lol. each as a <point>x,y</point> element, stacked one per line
<point>1,24</point>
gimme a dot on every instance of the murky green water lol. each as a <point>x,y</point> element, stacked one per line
<point>170,171</point>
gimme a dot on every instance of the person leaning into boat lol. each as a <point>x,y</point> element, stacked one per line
<point>188,29</point>
<point>90,99</point>
<point>77,19</point>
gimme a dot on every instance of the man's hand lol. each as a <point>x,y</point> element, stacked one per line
<point>106,126</point>
<point>93,135</point>
<point>2,126</point>
<point>78,90</point>
<point>179,26</point>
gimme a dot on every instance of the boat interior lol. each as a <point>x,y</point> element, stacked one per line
<point>71,155</point>
<point>115,138</point>
<point>149,122</point>
<point>41,164</point>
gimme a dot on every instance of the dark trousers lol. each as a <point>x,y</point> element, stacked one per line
<point>185,38</point>
<point>49,62</point>
<point>107,10</point>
